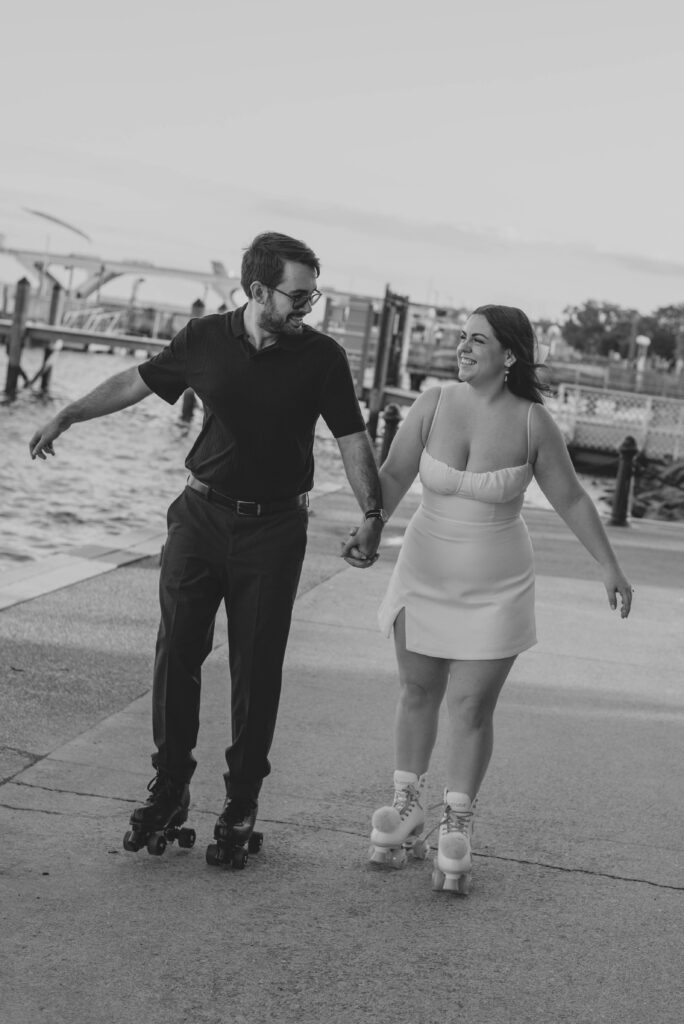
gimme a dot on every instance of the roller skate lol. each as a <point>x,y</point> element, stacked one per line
<point>158,821</point>
<point>452,867</point>
<point>396,831</point>
<point>234,834</point>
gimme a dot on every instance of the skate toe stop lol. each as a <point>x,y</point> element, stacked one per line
<point>386,819</point>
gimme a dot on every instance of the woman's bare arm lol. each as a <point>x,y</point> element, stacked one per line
<point>556,476</point>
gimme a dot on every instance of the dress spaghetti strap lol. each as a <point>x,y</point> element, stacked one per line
<point>434,417</point>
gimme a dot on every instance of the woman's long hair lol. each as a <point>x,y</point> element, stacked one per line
<point>514,331</point>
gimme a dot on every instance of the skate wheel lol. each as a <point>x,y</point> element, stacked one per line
<point>256,841</point>
<point>239,859</point>
<point>186,838</point>
<point>212,854</point>
<point>396,859</point>
<point>419,849</point>
<point>438,880</point>
<point>129,842</point>
<point>156,845</point>
<point>466,884</point>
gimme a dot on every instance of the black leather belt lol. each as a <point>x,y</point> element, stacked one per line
<point>248,508</point>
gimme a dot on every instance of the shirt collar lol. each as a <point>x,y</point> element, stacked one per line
<point>289,342</point>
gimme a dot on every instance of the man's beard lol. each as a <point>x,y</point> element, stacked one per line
<point>273,322</point>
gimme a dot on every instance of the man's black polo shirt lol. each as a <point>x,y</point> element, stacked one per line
<point>260,407</point>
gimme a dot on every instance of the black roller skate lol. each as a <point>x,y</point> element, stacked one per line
<point>234,834</point>
<point>159,820</point>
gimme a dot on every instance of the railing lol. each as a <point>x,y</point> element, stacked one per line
<point>105,321</point>
<point>616,377</point>
<point>599,420</point>
<point>72,337</point>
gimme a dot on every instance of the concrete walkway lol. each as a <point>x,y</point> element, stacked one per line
<point>577,912</point>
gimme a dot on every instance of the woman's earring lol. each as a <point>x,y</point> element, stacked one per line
<point>506,372</point>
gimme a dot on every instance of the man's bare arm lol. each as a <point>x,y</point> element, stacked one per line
<point>115,393</point>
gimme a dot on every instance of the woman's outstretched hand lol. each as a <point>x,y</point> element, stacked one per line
<point>616,583</point>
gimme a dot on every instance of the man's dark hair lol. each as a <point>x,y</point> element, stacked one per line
<point>265,259</point>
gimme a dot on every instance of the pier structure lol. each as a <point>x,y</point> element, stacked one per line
<point>593,419</point>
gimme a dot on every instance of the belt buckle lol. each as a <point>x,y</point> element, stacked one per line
<point>253,504</point>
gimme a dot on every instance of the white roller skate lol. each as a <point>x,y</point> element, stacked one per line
<point>452,867</point>
<point>397,829</point>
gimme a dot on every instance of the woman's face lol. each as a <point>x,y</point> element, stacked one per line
<point>480,354</point>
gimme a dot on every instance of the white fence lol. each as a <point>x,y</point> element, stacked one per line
<point>598,419</point>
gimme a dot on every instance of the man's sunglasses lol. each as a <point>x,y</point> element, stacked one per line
<point>300,299</point>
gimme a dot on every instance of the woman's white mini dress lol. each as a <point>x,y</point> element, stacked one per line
<point>465,573</point>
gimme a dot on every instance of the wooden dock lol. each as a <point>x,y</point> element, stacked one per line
<point>40,335</point>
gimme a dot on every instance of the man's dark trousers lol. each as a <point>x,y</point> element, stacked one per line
<point>254,564</point>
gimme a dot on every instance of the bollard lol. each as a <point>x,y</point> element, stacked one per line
<point>188,406</point>
<point>16,338</point>
<point>55,314</point>
<point>627,450</point>
<point>392,418</point>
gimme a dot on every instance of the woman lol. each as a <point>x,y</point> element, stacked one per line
<point>461,598</point>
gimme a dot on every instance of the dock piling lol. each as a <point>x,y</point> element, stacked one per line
<point>627,451</point>
<point>16,338</point>
<point>392,418</point>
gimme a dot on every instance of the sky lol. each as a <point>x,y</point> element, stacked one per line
<point>528,153</point>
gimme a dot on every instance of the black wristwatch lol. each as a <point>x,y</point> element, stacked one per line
<point>377,513</point>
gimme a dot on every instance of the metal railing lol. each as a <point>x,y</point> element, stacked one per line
<point>597,419</point>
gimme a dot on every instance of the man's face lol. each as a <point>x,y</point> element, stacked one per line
<point>284,314</point>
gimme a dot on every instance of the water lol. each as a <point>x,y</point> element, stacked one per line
<point>109,475</point>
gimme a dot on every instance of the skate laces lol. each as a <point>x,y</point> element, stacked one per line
<point>157,783</point>
<point>161,783</point>
<point>456,821</point>
<point>405,799</point>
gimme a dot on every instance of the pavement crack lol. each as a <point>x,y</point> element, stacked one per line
<point>33,810</point>
<point>312,827</point>
<point>28,754</point>
<point>73,792</point>
<point>580,871</point>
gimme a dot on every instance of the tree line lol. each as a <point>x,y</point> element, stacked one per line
<point>601,328</point>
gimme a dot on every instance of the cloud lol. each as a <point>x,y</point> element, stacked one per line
<point>462,239</point>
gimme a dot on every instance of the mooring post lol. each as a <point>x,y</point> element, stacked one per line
<point>392,418</point>
<point>627,451</point>
<point>55,314</point>
<point>376,398</point>
<point>188,405</point>
<point>189,397</point>
<point>16,337</point>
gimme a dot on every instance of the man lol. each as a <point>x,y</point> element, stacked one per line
<point>238,531</point>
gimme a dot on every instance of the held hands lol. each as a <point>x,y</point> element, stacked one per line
<point>616,583</point>
<point>361,548</point>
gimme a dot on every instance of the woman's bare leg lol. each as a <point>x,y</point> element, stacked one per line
<point>422,682</point>
<point>472,693</point>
